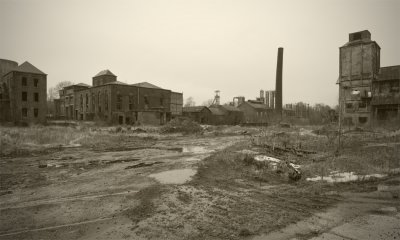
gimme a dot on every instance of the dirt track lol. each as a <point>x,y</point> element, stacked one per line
<point>80,192</point>
<point>107,192</point>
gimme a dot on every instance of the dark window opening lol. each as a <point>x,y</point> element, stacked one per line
<point>349,105</point>
<point>35,82</point>
<point>35,112</point>
<point>161,101</point>
<point>36,97</point>
<point>105,100</point>
<point>119,101</point>
<point>81,102</point>
<point>146,100</point>
<point>24,112</point>
<point>362,119</point>
<point>87,102</point>
<point>24,96</point>
<point>1,96</point>
<point>362,105</point>
<point>24,81</point>
<point>130,102</point>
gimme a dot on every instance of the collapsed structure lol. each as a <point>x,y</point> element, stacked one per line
<point>366,91</point>
<point>113,101</point>
<point>23,93</point>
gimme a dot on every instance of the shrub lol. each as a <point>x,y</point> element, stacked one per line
<point>182,125</point>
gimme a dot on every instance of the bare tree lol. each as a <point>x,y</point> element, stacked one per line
<point>208,102</point>
<point>189,102</point>
<point>53,92</point>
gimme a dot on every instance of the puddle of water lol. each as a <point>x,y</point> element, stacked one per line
<point>195,149</point>
<point>337,177</point>
<point>178,176</point>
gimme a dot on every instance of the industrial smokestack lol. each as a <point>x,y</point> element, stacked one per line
<point>278,84</point>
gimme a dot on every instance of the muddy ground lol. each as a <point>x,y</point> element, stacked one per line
<point>131,185</point>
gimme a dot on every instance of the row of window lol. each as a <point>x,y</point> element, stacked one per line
<point>24,97</point>
<point>25,82</point>
<point>25,112</point>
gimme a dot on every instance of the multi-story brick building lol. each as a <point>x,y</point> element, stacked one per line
<point>24,94</point>
<point>366,91</point>
<point>386,94</point>
<point>112,101</point>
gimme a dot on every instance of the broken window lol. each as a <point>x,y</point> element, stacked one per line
<point>362,119</point>
<point>362,104</point>
<point>93,102</point>
<point>105,100</point>
<point>35,112</point>
<point>24,96</point>
<point>35,82</point>
<point>119,101</point>
<point>87,102</point>
<point>36,97</point>
<point>24,112</point>
<point>24,81</point>
<point>130,102</point>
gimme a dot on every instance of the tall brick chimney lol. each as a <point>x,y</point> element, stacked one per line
<point>278,84</point>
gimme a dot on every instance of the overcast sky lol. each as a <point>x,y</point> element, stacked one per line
<point>198,46</point>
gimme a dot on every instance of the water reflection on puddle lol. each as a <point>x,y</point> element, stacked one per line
<point>178,176</point>
<point>336,177</point>
<point>195,149</point>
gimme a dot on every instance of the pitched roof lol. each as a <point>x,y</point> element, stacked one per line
<point>105,72</point>
<point>27,68</point>
<point>389,73</point>
<point>82,85</point>
<point>194,109</point>
<point>146,85</point>
<point>230,108</point>
<point>115,83</point>
<point>256,105</point>
<point>216,111</point>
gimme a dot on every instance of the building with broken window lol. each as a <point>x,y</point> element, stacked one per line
<point>366,91</point>
<point>386,94</point>
<point>116,102</point>
<point>23,93</point>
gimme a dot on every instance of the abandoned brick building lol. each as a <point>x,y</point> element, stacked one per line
<point>386,95</point>
<point>256,112</point>
<point>23,93</point>
<point>366,91</point>
<point>113,101</point>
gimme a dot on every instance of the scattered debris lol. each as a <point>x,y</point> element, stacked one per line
<point>182,125</point>
<point>139,130</point>
<point>284,125</point>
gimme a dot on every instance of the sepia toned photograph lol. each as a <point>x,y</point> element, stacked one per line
<point>200,119</point>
